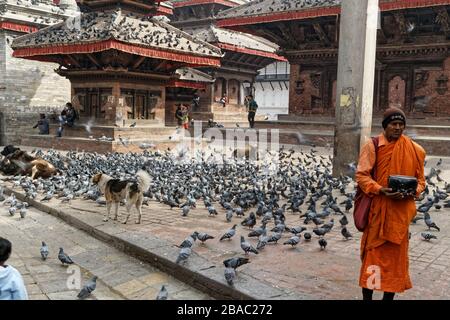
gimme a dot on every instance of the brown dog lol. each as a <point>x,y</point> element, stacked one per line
<point>116,190</point>
<point>20,162</point>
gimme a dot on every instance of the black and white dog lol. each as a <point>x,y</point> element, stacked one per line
<point>116,190</point>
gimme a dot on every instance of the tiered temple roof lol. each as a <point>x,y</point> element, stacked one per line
<point>30,15</point>
<point>186,3</point>
<point>238,42</point>
<point>115,29</point>
<point>261,11</point>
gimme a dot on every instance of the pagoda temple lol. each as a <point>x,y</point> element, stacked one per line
<point>119,59</point>
<point>413,60</point>
<point>244,55</point>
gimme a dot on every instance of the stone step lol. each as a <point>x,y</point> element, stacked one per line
<point>91,145</point>
<point>114,132</point>
<point>411,129</point>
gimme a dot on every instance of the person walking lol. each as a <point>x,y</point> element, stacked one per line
<point>252,107</point>
<point>11,282</point>
<point>385,241</point>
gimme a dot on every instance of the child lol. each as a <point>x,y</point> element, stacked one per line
<point>11,282</point>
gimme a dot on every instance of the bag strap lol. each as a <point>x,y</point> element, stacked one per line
<point>376,141</point>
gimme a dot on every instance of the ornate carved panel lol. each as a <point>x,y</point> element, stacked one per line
<point>316,79</point>
<point>420,79</point>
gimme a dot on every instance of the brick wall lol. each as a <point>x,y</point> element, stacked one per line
<point>428,96</point>
<point>31,87</point>
<point>426,99</point>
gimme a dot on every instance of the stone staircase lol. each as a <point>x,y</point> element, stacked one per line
<point>434,137</point>
<point>78,137</point>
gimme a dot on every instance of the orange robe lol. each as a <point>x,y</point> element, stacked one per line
<point>384,244</point>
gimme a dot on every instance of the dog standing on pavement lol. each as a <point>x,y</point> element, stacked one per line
<point>116,190</point>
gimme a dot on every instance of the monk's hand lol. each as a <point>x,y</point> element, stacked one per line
<point>388,192</point>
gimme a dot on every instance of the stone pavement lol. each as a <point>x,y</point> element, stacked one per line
<point>278,272</point>
<point>120,276</point>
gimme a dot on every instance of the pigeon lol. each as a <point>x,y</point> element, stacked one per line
<point>320,231</point>
<point>250,221</point>
<point>274,237</point>
<point>229,215</point>
<point>133,125</point>
<point>293,241</point>
<point>307,236</point>
<point>229,234</point>
<point>185,211</point>
<point>183,255</point>
<point>322,243</point>
<point>23,213</point>
<point>189,241</point>
<point>88,288</point>
<point>235,262</point>
<point>262,241</point>
<point>429,222</point>
<point>64,258</point>
<point>258,231</point>
<point>343,221</point>
<point>230,275</point>
<point>296,230</point>
<point>247,247</point>
<point>44,251</point>
<point>203,237</point>
<point>428,236</point>
<point>162,294</point>
<point>347,235</point>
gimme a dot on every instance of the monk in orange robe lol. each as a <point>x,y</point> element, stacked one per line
<point>384,244</point>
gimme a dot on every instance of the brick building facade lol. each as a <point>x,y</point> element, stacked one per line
<point>412,52</point>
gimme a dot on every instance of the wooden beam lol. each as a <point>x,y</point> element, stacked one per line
<point>160,65</point>
<point>287,34</point>
<point>265,33</point>
<point>73,60</point>
<point>94,60</point>
<point>138,62</point>
<point>321,33</point>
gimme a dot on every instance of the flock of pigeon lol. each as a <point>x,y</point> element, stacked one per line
<point>126,27</point>
<point>253,192</point>
<point>90,285</point>
<point>267,6</point>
